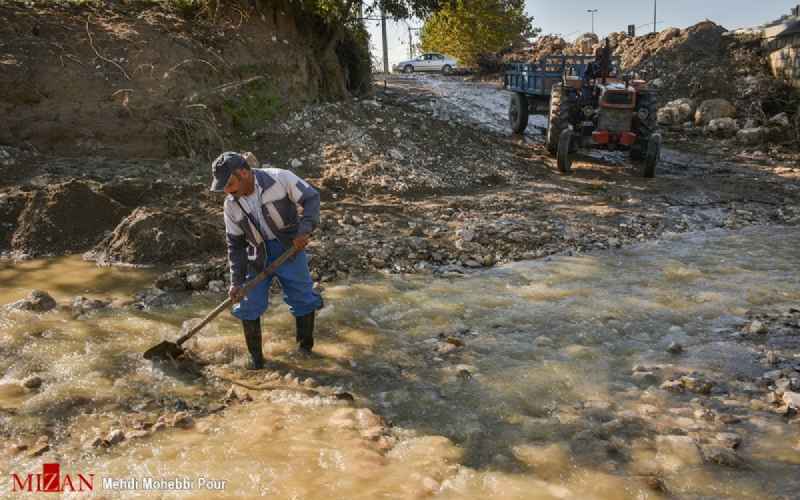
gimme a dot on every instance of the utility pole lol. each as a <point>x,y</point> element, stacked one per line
<point>655,13</point>
<point>410,45</point>
<point>592,12</point>
<point>385,42</point>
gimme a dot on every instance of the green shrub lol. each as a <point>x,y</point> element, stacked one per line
<point>258,104</point>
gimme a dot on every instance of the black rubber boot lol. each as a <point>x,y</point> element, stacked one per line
<point>252,337</point>
<point>305,332</point>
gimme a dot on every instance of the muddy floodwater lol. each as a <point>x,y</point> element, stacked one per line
<point>538,379</point>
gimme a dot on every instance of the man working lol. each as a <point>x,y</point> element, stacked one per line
<point>266,212</point>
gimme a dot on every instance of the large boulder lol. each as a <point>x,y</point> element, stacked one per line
<point>150,235</point>
<point>36,301</point>
<point>722,127</point>
<point>751,136</point>
<point>713,109</point>
<point>676,112</point>
<point>65,217</point>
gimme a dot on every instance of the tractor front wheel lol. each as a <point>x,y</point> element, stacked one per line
<point>563,156</point>
<point>518,112</point>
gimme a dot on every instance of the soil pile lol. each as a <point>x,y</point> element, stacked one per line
<point>63,218</point>
<point>150,236</point>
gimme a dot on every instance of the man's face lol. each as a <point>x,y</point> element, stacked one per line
<point>240,183</point>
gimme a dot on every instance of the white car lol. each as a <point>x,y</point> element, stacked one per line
<point>427,62</point>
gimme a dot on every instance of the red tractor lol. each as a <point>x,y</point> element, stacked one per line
<point>593,110</point>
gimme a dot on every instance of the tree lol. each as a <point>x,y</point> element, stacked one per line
<point>466,29</point>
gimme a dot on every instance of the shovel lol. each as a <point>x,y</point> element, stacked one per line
<point>167,350</point>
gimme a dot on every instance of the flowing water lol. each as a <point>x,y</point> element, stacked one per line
<point>515,382</point>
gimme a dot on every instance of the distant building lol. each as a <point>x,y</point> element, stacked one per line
<point>782,41</point>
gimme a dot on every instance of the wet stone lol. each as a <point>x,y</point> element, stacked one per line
<point>116,436</point>
<point>675,348</point>
<point>756,328</point>
<point>32,382</point>
<point>722,456</point>
<point>36,301</point>
<point>792,399</point>
<point>728,439</point>
<point>183,420</point>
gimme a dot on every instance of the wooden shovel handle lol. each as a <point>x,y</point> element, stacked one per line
<point>245,290</point>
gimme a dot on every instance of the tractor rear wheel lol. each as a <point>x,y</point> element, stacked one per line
<point>563,156</point>
<point>647,104</point>
<point>652,156</point>
<point>518,112</point>
<point>558,121</point>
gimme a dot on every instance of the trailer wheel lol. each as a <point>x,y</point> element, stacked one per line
<point>563,156</point>
<point>446,69</point>
<point>652,156</point>
<point>558,121</point>
<point>518,112</point>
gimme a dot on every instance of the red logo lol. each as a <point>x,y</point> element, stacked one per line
<point>51,481</point>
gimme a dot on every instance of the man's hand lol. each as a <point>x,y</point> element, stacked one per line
<point>301,241</point>
<point>235,293</point>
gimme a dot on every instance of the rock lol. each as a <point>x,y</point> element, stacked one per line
<point>116,436</point>
<point>172,281</point>
<point>696,385</point>
<point>676,112</point>
<point>32,382</point>
<point>772,358</point>
<point>757,327</point>
<point>722,456</point>
<point>673,385</point>
<point>675,348</point>
<point>183,420</point>
<point>728,439</point>
<point>231,395</point>
<point>296,163</point>
<point>751,136</point>
<point>396,154</point>
<point>39,449</point>
<point>792,399</point>
<point>647,378</point>
<point>682,448</point>
<point>97,442</point>
<point>82,305</point>
<point>781,121</point>
<point>197,281</point>
<point>722,127</point>
<point>36,301</point>
<point>543,341</point>
<point>137,434</point>
<point>713,109</point>
<point>216,286</point>
<point>783,385</point>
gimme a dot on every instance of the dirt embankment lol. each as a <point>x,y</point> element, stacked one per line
<point>139,80</point>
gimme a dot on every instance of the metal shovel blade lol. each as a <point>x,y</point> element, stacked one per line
<point>164,350</point>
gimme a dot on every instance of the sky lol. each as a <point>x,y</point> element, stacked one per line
<point>570,18</point>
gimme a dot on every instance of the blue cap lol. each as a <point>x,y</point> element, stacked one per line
<point>223,167</point>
